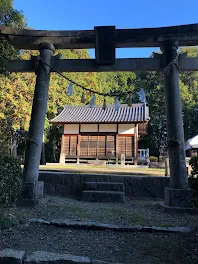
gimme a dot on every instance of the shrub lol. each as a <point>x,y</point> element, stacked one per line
<point>8,221</point>
<point>193,162</point>
<point>161,159</point>
<point>193,179</point>
<point>10,180</point>
<point>153,159</point>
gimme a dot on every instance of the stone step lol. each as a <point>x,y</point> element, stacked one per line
<point>103,196</point>
<point>104,186</point>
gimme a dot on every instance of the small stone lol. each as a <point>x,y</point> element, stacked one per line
<point>8,256</point>
<point>117,249</point>
<point>39,221</point>
<point>96,261</point>
<point>48,257</point>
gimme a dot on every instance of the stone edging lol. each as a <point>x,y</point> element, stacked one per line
<point>99,226</point>
<point>8,256</point>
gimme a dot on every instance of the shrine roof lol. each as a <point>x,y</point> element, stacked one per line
<point>138,113</point>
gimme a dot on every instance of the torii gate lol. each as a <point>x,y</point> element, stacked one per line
<point>105,40</point>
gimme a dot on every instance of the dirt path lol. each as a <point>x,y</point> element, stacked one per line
<point>136,247</point>
<point>126,248</point>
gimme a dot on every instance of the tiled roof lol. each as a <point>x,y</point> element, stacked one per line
<point>85,114</point>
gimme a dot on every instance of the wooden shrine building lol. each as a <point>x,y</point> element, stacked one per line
<point>94,133</point>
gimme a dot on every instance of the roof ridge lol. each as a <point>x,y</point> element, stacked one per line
<point>98,105</point>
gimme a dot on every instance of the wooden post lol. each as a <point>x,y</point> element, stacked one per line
<point>177,195</point>
<point>136,144</point>
<point>36,129</point>
<point>78,149</point>
<point>98,129</point>
<point>117,149</point>
<point>62,153</point>
<point>167,170</point>
<point>88,146</point>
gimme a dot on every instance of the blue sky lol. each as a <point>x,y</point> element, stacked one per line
<point>85,14</point>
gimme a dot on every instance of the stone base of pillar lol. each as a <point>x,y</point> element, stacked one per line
<point>39,190</point>
<point>62,158</point>
<point>178,197</point>
<point>177,200</point>
<point>32,193</point>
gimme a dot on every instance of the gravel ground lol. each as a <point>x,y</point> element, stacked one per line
<point>132,212</point>
<point>138,248</point>
<point>126,248</point>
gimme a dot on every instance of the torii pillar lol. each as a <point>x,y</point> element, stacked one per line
<point>177,196</point>
<point>33,189</point>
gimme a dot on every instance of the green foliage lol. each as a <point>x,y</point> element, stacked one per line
<point>153,159</point>
<point>11,18</point>
<point>161,158</point>
<point>193,179</point>
<point>194,164</point>
<point>153,84</point>
<point>5,136</point>
<point>52,146</point>
<point>8,221</point>
<point>116,81</point>
<point>10,180</point>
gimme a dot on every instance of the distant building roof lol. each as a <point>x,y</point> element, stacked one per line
<point>87,115</point>
<point>192,143</point>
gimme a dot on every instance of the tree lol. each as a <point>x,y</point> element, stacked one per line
<point>189,92</point>
<point>153,84</point>
<point>9,17</point>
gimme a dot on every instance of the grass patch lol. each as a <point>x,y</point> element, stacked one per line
<point>130,213</point>
<point>105,213</point>
<point>105,169</point>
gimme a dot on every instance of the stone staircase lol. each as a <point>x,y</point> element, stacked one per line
<point>104,192</point>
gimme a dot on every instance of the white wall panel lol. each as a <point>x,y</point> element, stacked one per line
<point>126,129</point>
<point>71,129</point>
<point>107,127</point>
<point>89,128</point>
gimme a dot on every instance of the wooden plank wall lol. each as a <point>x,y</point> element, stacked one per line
<point>101,146</point>
<point>126,146</point>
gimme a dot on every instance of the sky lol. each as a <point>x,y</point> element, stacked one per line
<point>85,14</point>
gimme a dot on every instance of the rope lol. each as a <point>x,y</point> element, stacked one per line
<point>110,94</point>
<point>173,62</point>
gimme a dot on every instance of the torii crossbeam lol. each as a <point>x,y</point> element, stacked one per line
<point>105,40</point>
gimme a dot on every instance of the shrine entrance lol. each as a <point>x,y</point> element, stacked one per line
<point>105,40</point>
